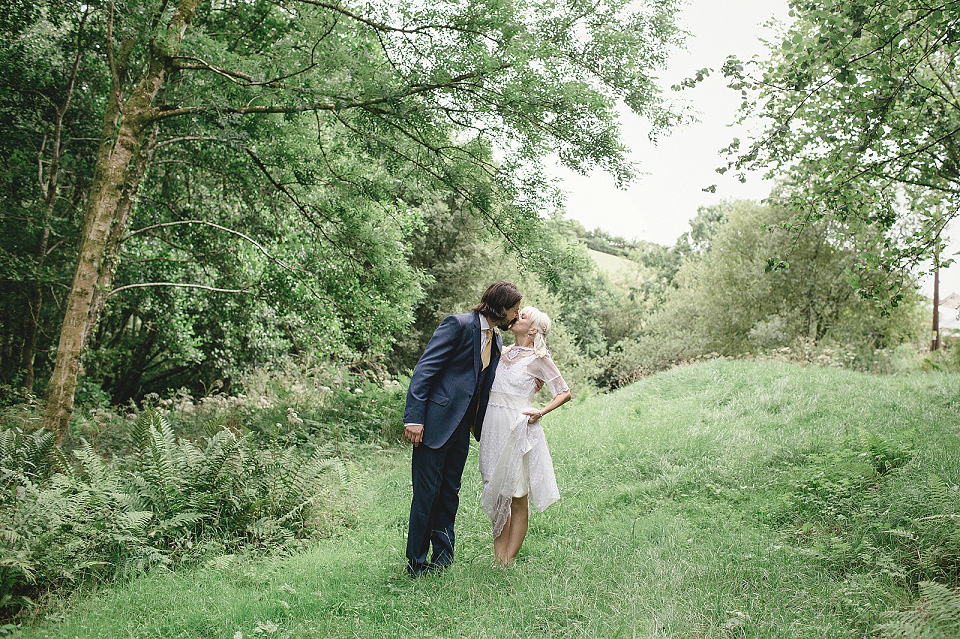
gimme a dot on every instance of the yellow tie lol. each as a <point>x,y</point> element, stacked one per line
<point>485,351</point>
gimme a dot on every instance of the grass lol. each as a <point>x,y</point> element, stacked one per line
<point>612,265</point>
<point>682,515</point>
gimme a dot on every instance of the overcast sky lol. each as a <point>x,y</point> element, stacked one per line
<point>659,204</point>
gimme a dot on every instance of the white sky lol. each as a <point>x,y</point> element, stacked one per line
<point>659,204</point>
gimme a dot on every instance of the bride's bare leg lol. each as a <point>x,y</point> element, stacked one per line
<point>500,544</point>
<point>519,519</point>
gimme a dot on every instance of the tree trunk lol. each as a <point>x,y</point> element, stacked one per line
<point>110,186</point>
<point>28,355</point>
<point>129,386</point>
<point>128,135</point>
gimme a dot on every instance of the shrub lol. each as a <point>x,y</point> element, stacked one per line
<point>62,522</point>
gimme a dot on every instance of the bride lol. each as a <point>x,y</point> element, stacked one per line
<point>514,460</point>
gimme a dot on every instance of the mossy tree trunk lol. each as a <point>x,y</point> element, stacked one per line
<point>128,137</point>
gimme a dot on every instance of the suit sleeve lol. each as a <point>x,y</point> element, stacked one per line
<point>444,342</point>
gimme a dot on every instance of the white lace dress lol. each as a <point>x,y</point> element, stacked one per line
<point>514,459</point>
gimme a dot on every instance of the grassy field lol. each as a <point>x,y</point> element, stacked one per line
<point>727,499</point>
<point>612,265</point>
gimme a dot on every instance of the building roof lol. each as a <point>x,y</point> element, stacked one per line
<point>951,301</point>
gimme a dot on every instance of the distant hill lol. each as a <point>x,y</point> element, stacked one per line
<point>612,265</point>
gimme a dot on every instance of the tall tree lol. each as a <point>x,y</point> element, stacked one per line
<point>862,120</point>
<point>45,153</point>
<point>730,300</point>
<point>429,88</point>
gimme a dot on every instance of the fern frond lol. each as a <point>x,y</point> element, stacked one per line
<point>8,446</point>
<point>91,467</point>
<point>944,496</point>
<point>135,520</point>
<point>26,569</point>
<point>936,615</point>
<point>222,460</point>
<point>884,455</point>
<point>180,521</point>
<point>160,463</point>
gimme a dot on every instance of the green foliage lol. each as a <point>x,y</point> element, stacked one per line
<point>677,517</point>
<point>945,359</point>
<point>727,302</point>
<point>936,615</point>
<point>317,404</point>
<point>44,169</point>
<point>858,121</point>
<point>172,500</point>
<point>863,507</point>
<point>460,260</point>
<point>293,146</point>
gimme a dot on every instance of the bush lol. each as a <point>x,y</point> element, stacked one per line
<point>320,405</point>
<point>946,359</point>
<point>172,500</point>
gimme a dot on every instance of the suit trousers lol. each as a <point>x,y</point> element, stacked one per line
<point>437,474</point>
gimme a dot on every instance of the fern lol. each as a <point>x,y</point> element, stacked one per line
<point>88,517</point>
<point>936,616</point>
<point>939,532</point>
<point>944,496</point>
<point>884,455</point>
<point>153,431</point>
<point>27,459</point>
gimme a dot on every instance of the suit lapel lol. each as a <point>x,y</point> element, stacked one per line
<point>476,344</point>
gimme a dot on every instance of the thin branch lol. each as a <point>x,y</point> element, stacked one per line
<point>184,62</point>
<point>186,138</point>
<point>442,180</point>
<point>300,206</point>
<point>179,285</point>
<point>293,271</point>
<point>381,26</point>
<point>324,106</point>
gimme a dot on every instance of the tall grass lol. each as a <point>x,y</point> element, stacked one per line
<point>726,499</point>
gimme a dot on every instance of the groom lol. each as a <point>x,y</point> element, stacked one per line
<point>447,399</point>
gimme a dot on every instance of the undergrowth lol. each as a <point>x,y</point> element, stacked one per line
<point>67,520</point>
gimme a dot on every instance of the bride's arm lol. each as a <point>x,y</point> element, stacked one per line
<point>543,368</point>
<point>559,400</point>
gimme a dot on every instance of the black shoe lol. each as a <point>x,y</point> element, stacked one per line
<point>420,570</point>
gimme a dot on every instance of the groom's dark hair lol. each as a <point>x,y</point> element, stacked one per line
<point>498,297</point>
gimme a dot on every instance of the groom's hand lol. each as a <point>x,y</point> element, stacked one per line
<point>414,432</point>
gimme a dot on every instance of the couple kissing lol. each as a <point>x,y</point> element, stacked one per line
<point>466,383</point>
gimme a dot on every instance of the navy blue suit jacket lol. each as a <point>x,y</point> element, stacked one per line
<point>445,379</point>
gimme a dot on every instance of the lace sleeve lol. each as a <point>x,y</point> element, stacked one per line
<point>544,369</point>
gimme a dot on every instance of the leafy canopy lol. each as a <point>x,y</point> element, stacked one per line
<point>860,116</point>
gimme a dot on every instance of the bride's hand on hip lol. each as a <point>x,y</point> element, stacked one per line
<point>534,416</point>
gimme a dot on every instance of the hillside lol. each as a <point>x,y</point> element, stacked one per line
<point>718,500</point>
<point>612,265</point>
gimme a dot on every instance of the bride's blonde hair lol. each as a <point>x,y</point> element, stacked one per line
<point>540,321</point>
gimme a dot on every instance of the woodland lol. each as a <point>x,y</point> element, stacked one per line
<point>229,227</point>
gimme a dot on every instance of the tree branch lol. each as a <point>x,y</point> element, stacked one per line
<point>442,180</point>
<point>324,106</point>
<point>266,253</point>
<point>381,26</point>
<point>179,285</point>
<point>192,63</point>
